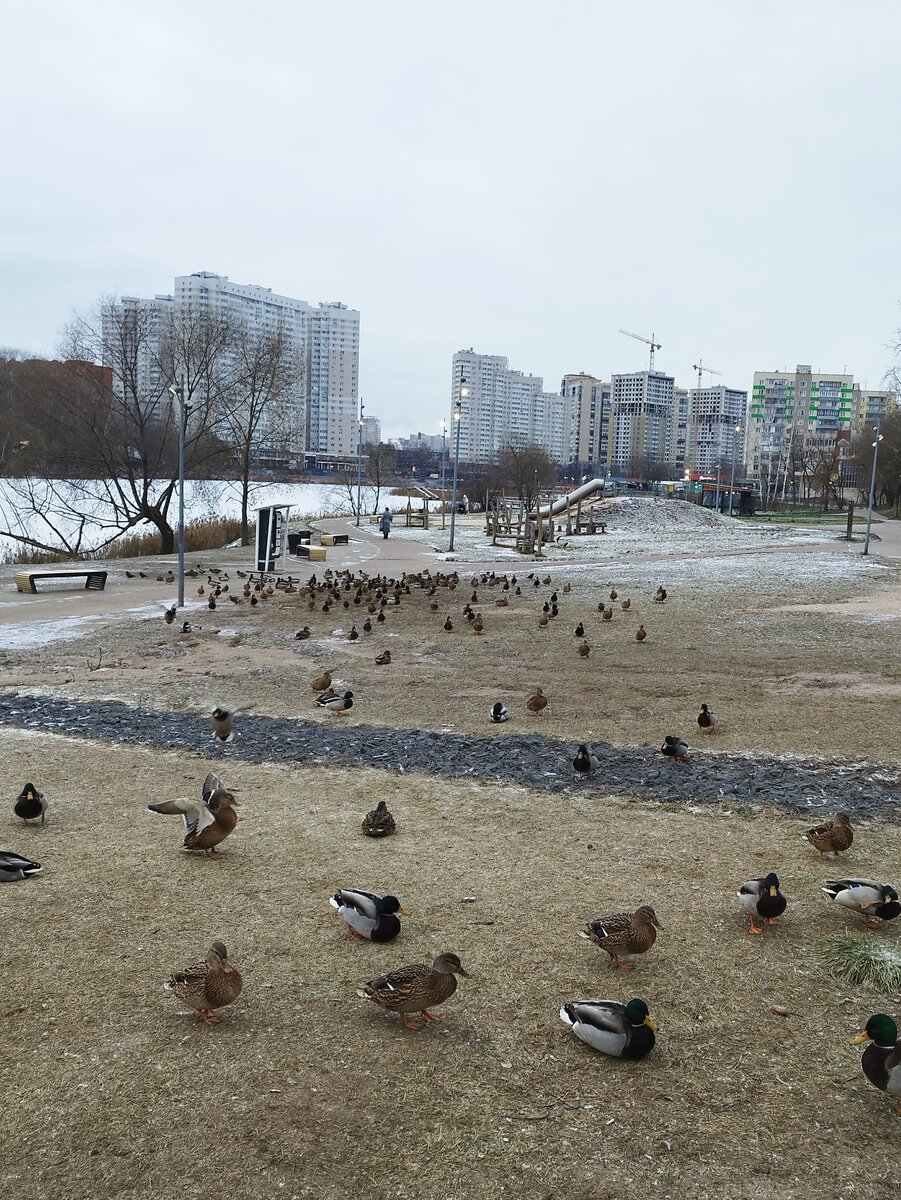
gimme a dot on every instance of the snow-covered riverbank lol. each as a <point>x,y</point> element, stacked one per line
<point>52,510</point>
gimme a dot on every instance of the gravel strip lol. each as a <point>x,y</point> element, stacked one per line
<point>531,760</point>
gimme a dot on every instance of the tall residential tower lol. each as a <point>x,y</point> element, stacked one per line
<point>324,341</point>
<point>501,408</point>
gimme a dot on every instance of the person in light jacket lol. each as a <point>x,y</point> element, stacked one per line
<point>385,523</point>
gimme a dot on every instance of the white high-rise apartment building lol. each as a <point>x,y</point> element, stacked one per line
<point>641,419</point>
<point>371,431</point>
<point>794,414</point>
<point>589,409</point>
<point>322,407</point>
<point>680,431</point>
<point>716,429</point>
<point>501,408</point>
<point>870,406</point>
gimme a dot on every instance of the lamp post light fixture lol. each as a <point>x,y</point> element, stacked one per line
<point>736,430</point>
<point>359,460</point>
<point>15,448</point>
<point>443,463</point>
<point>458,415</point>
<point>866,541</point>
<point>179,393</point>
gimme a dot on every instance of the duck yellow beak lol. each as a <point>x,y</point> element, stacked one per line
<point>773,891</point>
<point>404,912</point>
<point>861,1037</point>
<point>650,1024</point>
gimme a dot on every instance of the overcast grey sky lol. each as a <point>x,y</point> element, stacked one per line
<point>520,177</point>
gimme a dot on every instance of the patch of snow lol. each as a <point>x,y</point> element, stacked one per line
<point>61,505</point>
<point>37,634</point>
<point>635,525</point>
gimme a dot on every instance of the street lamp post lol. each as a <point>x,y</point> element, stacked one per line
<point>736,429</point>
<point>443,461</point>
<point>179,392</point>
<point>458,414</point>
<point>719,460</point>
<point>359,461</point>
<point>866,542</point>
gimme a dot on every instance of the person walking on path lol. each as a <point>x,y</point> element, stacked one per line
<point>385,523</point>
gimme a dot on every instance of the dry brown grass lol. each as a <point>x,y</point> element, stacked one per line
<point>305,1090</point>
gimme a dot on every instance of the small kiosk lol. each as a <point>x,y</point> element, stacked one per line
<point>272,522</point>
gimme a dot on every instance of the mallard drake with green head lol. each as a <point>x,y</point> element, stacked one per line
<point>762,898</point>
<point>31,804</point>
<point>706,720</point>
<point>866,896</point>
<point>208,985</point>
<point>620,1030</point>
<point>416,988</point>
<point>586,763</point>
<point>367,915</point>
<point>625,933</point>
<point>881,1061</point>
<point>674,748</point>
<point>15,867</point>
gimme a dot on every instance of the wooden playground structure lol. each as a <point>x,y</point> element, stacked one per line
<point>417,518</point>
<point>509,521</point>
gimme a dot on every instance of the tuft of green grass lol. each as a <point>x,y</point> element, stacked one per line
<point>862,960</point>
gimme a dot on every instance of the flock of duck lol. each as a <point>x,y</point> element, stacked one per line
<point>619,1029</point>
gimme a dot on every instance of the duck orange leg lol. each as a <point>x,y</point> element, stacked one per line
<point>753,927</point>
<point>429,1016</point>
<point>620,965</point>
<point>208,1016</point>
<point>353,935</point>
<point>409,1024</point>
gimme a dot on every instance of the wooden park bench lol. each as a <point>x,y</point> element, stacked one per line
<point>26,581</point>
<point>314,553</point>
<point>335,539</point>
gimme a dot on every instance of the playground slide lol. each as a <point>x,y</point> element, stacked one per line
<point>577,494</point>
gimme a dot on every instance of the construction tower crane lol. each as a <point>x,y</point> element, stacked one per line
<point>702,370</point>
<point>648,341</point>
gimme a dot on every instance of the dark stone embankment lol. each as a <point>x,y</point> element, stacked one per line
<point>530,759</point>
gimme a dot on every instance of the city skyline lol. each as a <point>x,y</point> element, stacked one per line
<point>452,202</point>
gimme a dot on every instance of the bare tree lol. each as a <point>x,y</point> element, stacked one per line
<point>381,465</point>
<point>888,462</point>
<point>256,412</point>
<point>24,437</point>
<point>120,422</point>
<point>527,469</point>
<point>824,473</point>
<point>481,482</point>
